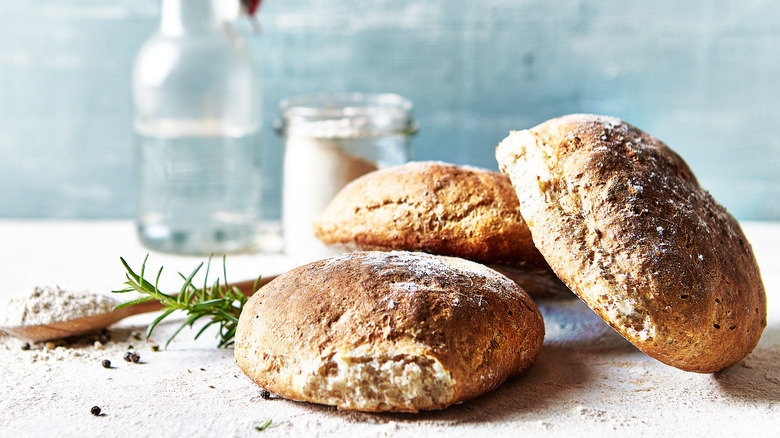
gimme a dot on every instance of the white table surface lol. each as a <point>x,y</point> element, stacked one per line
<point>587,381</point>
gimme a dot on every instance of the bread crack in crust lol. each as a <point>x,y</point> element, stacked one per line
<point>388,331</point>
<point>622,220</point>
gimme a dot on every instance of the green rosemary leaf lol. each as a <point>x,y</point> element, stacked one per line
<point>131,275</point>
<point>225,344</point>
<point>214,291</point>
<point>134,286</point>
<point>188,280</point>
<point>200,294</point>
<point>205,305</point>
<point>157,320</point>
<point>263,426</point>
<point>227,316</point>
<point>143,267</point>
<point>203,329</point>
<point>188,322</point>
<point>229,334</point>
<point>238,294</point>
<point>206,276</point>
<point>130,303</point>
<point>157,280</point>
<point>224,269</point>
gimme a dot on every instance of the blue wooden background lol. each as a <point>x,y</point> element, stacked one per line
<point>702,75</point>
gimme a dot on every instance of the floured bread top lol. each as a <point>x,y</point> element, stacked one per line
<point>622,220</point>
<point>433,207</point>
<point>388,331</point>
<point>441,209</point>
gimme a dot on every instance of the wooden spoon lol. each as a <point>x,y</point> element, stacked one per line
<point>80,326</point>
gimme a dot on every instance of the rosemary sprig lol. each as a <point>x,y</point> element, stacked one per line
<point>220,303</point>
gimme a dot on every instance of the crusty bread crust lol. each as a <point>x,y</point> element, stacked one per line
<point>622,220</point>
<point>387,331</point>
<point>441,209</point>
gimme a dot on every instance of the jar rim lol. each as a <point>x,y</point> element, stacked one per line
<point>327,114</point>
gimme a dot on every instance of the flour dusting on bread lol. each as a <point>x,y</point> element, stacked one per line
<point>388,331</point>
<point>622,220</point>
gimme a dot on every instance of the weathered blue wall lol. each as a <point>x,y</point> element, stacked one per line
<point>702,75</point>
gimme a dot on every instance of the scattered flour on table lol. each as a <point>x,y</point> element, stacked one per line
<point>46,305</point>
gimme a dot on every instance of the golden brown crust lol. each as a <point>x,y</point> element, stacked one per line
<point>475,325</point>
<point>441,209</point>
<point>624,223</point>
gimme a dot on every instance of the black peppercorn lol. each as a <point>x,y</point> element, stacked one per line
<point>106,363</point>
<point>104,336</point>
<point>267,395</point>
<point>95,410</point>
<point>26,346</point>
<point>132,357</point>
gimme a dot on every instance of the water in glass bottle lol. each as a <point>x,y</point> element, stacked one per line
<point>196,96</point>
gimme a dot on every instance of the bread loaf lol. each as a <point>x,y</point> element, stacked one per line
<point>622,220</point>
<point>387,331</point>
<point>441,209</point>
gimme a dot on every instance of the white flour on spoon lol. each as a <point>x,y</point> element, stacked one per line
<point>46,305</point>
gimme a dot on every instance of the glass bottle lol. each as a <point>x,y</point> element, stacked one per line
<point>197,120</point>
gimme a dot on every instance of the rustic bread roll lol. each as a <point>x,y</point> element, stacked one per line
<point>441,209</point>
<point>387,331</point>
<point>624,223</point>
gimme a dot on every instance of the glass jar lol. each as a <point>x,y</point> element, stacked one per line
<point>331,139</point>
<point>197,120</point>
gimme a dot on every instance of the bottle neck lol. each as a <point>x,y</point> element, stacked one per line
<point>188,16</point>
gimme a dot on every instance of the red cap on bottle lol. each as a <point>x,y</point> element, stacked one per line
<point>251,6</point>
